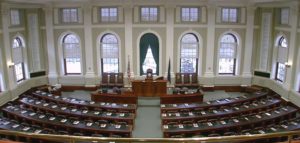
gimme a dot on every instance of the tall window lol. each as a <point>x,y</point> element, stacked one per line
<point>229,14</point>
<point>227,55</point>
<point>72,54</point>
<point>14,17</point>
<point>284,15</point>
<point>69,15</point>
<point>190,14</point>
<point>281,59</point>
<point>189,53</point>
<point>149,54</point>
<point>149,14</point>
<point>110,53</point>
<point>18,59</point>
<point>108,14</point>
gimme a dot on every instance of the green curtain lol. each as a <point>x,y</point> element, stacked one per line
<point>146,40</point>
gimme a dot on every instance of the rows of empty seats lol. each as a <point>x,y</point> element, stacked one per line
<point>231,116</point>
<point>42,112</point>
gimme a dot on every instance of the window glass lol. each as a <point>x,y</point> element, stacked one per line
<point>189,53</point>
<point>69,15</point>
<point>110,53</point>
<point>227,54</point>
<point>189,14</point>
<point>229,14</point>
<point>109,14</point>
<point>14,17</point>
<point>72,54</point>
<point>149,14</point>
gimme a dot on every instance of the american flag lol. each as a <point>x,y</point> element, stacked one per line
<point>128,68</point>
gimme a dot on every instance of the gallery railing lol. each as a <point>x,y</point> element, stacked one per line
<point>74,139</point>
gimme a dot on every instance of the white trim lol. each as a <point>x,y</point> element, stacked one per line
<point>191,25</point>
<point>138,51</point>
<point>283,29</point>
<point>200,50</point>
<point>16,29</point>
<point>68,26</point>
<point>149,25</point>
<point>98,45</point>
<point>60,53</point>
<point>108,25</point>
<point>231,26</point>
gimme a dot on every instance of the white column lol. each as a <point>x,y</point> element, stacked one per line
<point>11,80</point>
<point>52,67</point>
<point>128,11</point>
<point>246,71</point>
<point>293,20</point>
<point>210,41</point>
<point>170,13</point>
<point>88,46</point>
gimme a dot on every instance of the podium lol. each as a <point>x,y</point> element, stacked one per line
<point>149,88</point>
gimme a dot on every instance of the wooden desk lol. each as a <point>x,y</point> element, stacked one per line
<point>113,98</point>
<point>149,88</point>
<point>181,98</point>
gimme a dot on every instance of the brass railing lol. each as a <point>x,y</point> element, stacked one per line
<point>74,139</point>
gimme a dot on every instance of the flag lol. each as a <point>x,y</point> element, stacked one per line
<point>169,71</point>
<point>128,68</point>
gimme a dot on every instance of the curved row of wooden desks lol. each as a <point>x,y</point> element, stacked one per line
<point>229,116</point>
<point>40,110</point>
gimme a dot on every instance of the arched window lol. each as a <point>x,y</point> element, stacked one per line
<point>281,59</point>
<point>71,54</point>
<point>227,55</point>
<point>109,53</point>
<point>189,53</point>
<point>18,59</point>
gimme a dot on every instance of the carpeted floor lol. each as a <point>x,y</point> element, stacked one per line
<point>148,122</point>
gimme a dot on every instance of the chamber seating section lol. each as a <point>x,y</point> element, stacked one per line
<point>42,112</point>
<point>253,113</point>
<point>112,80</point>
<point>186,80</point>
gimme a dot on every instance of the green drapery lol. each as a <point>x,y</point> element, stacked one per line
<point>146,40</point>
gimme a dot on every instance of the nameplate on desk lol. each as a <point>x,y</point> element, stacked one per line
<point>165,126</point>
<point>24,111</point>
<point>215,111</point>
<point>89,124</point>
<point>15,126</point>
<point>75,122</point>
<point>63,108</point>
<point>32,114</point>
<point>177,114</point>
<point>84,111</point>
<point>38,102</point>
<point>209,124</point>
<point>223,122</point>
<point>268,114</point>
<point>52,118</point>
<point>261,131</point>
<point>96,113</point>
<point>41,116</point>
<point>108,114</point>
<point>273,129</point>
<point>125,105</point>
<point>236,120</point>
<point>191,113</point>
<point>122,114</point>
<point>117,126</point>
<point>56,97</point>
<point>180,126</point>
<point>164,114</point>
<point>203,112</point>
<point>92,102</point>
<point>63,120</point>
<point>195,125</point>
<point>258,116</point>
<point>37,131</point>
<point>163,105</point>
<point>284,126</point>
<point>53,106</point>
<point>74,110</point>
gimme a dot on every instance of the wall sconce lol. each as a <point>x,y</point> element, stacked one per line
<point>10,64</point>
<point>287,65</point>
